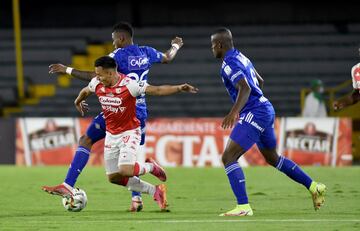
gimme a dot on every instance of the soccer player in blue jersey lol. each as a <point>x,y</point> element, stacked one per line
<point>135,61</point>
<point>252,117</point>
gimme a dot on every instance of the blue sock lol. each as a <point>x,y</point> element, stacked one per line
<point>133,194</point>
<point>237,182</point>
<point>78,163</point>
<point>293,171</point>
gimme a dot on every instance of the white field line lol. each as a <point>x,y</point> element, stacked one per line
<point>240,220</point>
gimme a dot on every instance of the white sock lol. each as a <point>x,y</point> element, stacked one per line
<point>135,184</point>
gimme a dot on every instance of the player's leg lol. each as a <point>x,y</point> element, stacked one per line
<point>136,196</point>
<point>267,146</point>
<point>158,192</point>
<point>239,142</point>
<point>126,170</point>
<point>94,133</point>
<point>128,164</point>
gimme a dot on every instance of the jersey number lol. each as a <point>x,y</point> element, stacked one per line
<point>136,77</point>
<point>255,80</point>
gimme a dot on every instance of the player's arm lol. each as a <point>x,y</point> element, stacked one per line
<point>243,96</point>
<point>260,80</point>
<point>346,101</point>
<point>62,69</point>
<point>170,54</point>
<point>79,102</point>
<point>169,89</point>
<point>139,88</point>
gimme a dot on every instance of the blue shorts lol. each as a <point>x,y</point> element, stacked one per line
<point>97,129</point>
<point>255,127</point>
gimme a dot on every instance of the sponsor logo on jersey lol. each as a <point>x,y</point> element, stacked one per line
<point>138,62</point>
<point>104,100</point>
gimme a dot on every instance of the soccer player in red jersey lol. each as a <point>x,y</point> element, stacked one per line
<point>117,95</point>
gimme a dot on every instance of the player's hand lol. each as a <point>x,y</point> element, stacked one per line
<point>57,68</point>
<point>230,120</point>
<point>82,107</point>
<point>188,88</point>
<point>338,106</point>
<point>178,41</point>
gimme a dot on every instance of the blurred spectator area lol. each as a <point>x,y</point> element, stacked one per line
<point>288,56</point>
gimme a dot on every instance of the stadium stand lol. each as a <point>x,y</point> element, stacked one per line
<point>287,56</point>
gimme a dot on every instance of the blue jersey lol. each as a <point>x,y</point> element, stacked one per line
<point>236,67</point>
<point>135,61</point>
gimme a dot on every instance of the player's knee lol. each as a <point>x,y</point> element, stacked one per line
<point>125,171</point>
<point>226,159</point>
<point>118,179</point>
<point>85,141</point>
<point>114,179</point>
<point>272,159</point>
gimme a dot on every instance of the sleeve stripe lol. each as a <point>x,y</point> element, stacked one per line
<point>233,77</point>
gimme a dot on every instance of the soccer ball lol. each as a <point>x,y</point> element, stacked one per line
<point>76,202</point>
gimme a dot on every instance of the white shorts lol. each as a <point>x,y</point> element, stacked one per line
<point>121,149</point>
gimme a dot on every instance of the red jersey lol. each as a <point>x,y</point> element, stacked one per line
<point>118,103</point>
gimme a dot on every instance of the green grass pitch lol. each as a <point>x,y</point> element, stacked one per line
<point>196,197</point>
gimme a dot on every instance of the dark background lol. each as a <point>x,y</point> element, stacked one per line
<point>177,13</point>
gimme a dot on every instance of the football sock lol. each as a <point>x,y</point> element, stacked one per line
<point>135,184</point>
<point>293,171</point>
<point>237,182</point>
<point>141,169</point>
<point>78,163</point>
<point>312,187</point>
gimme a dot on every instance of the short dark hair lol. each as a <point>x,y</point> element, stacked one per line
<point>105,62</point>
<point>221,30</point>
<point>124,27</point>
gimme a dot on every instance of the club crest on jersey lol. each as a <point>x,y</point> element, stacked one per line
<point>138,62</point>
<point>118,90</point>
<point>227,70</point>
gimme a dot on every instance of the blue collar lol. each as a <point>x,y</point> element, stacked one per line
<point>229,52</point>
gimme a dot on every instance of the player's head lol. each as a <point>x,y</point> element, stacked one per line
<point>122,34</point>
<point>221,41</point>
<point>317,85</point>
<point>105,69</point>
